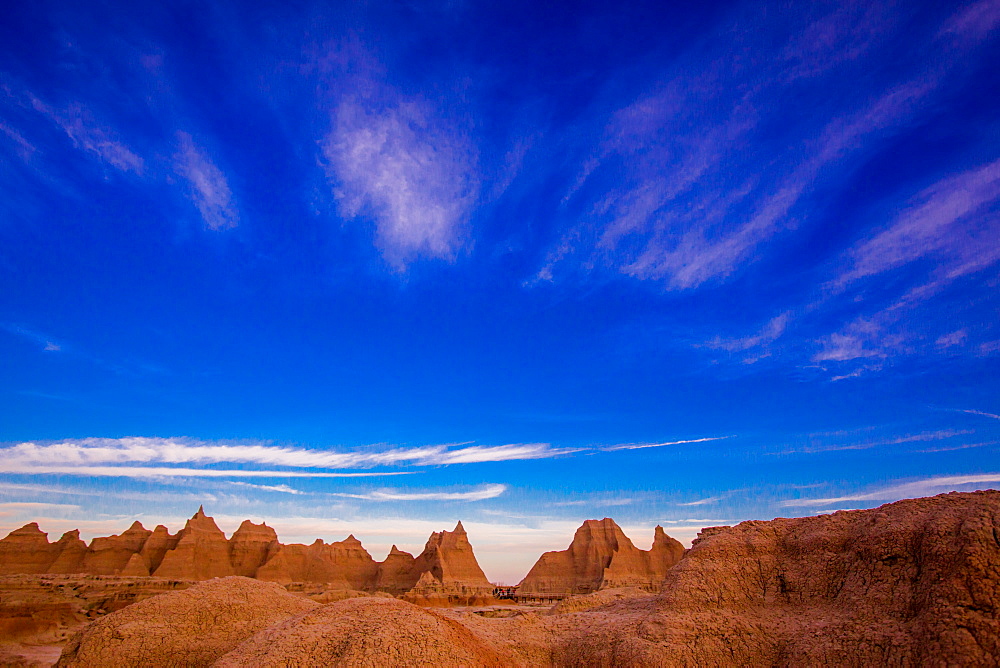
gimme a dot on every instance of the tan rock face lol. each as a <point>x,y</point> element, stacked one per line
<point>449,559</point>
<point>201,553</point>
<point>912,583</point>
<point>249,546</point>
<point>26,550</point>
<point>396,575</point>
<point>193,627</point>
<point>345,564</point>
<point>71,554</point>
<point>602,556</point>
<point>108,556</point>
<point>156,546</point>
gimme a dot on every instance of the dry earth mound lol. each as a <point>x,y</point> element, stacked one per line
<point>193,627</point>
<point>369,631</point>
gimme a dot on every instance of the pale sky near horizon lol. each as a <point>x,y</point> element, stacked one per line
<point>377,267</point>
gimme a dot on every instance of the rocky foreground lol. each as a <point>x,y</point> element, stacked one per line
<point>913,583</point>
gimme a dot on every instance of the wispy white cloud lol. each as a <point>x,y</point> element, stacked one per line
<point>640,446</point>
<point>984,414</point>
<point>692,200</point>
<point>941,434</point>
<point>907,490</point>
<point>88,135</point>
<point>208,187</point>
<point>46,342</point>
<point>949,219</point>
<point>768,334</point>
<point>973,22</point>
<point>29,505</point>
<point>176,472</point>
<point>482,493</point>
<point>963,446</point>
<point>102,456</point>
<point>395,159</point>
<point>284,489</point>
<point>706,501</point>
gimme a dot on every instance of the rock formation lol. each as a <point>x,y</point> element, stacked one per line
<point>602,556</point>
<point>396,574</point>
<point>26,550</point>
<point>912,583</point>
<point>136,566</point>
<point>156,547</point>
<point>193,627</point>
<point>71,553</point>
<point>249,546</point>
<point>345,564</point>
<point>108,556</point>
<point>447,570</point>
<point>202,552</point>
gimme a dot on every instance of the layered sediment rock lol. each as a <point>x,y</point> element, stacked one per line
<point>602,556</point>
<point>108,556</point>
<point>345,564</point>
<point>71,552</point>
<point>911,583</point>
<point>249,547</point>
<point>396,574</point>
<point>156,547</point>
<point>447,570</point>
<point>26,550</point>
<point>201,553</point>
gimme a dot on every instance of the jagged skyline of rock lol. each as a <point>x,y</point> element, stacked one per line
<point>200,551</point>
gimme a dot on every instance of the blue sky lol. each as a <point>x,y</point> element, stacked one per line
<point>377,267</point>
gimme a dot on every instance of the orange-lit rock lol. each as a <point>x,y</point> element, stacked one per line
<point>108,556</point>
<point>26,550</point>
<point>202,552</point>
<point>249,547</point>
<point>602,556</point>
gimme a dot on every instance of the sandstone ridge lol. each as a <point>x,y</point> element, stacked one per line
<point>601,556</point>
<point>446,571</point>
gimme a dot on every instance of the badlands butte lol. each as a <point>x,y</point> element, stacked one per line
<point>912,583</point>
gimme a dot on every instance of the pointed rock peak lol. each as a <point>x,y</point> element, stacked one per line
<point>459,528</point>
<point>351,539</point>
<point>200,514</point>
<point>70,535</point>
<point>28,530</point>
<point>397,551</point>
<point>161,529</point>
<point>137,526</point>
